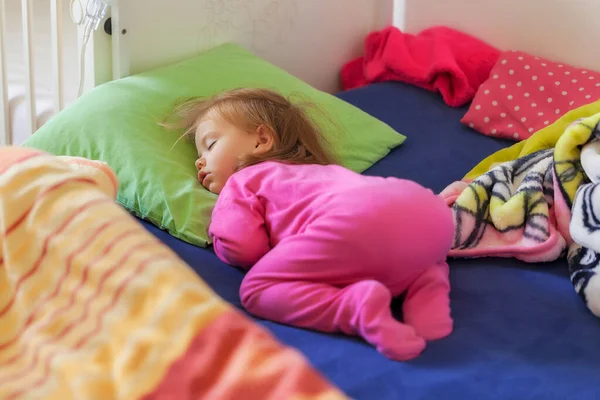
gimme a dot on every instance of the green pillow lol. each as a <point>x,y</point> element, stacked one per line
<point>117,122</point>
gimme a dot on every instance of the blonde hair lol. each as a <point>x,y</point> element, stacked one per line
<point>297,138</point>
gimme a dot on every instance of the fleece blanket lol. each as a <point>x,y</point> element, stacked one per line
<point>439,59</point>
<point>94,307</point>
<point>537,208</point>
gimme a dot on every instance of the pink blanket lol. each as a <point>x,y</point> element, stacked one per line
<point>438,59</point>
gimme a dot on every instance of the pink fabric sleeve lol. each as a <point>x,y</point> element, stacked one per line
<point>238,227</point>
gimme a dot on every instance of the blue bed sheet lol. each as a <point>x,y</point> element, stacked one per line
<point>520,330</point>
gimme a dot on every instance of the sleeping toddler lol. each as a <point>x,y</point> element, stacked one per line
<point>325,248</point>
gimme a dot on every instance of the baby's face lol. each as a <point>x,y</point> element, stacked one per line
<point>220,147</point>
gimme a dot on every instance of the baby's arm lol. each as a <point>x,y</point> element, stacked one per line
<point>238,226</point>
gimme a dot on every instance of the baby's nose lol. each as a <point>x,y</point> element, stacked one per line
<point>199,163</point>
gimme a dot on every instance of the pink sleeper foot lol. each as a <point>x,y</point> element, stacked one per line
<point>427,304</point>
<point>401,342</point>
<point>430,329</point>
<point>378,326</point>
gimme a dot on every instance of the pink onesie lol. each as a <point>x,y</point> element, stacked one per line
<point>327,249</point>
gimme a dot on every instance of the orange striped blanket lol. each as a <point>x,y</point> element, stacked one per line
<point>94,307</point>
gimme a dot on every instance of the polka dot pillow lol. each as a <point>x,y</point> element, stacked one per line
<point>525,93</point>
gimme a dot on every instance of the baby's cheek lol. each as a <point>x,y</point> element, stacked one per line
<point>214,188</point>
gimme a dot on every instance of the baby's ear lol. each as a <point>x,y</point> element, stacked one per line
<point>264,140</point>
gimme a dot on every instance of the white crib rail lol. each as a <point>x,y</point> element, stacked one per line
<point>56,15</point>
<point>27,13</point>
<point>27,10</point>
<point>5,135</point>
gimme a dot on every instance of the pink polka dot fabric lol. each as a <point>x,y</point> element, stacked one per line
<point>524,94</point>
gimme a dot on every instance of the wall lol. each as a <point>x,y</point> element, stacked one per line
<point>561,30</point>
<point>309,38</point>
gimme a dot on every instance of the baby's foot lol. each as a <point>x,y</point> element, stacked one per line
<point>399,342</point>
<point>431,328</point>
<point>427,304</point>
<point>377,325</point>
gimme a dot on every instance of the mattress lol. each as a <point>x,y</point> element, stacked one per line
<point>42,60</point>
<point>521,332</point>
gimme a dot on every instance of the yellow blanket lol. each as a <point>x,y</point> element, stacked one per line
<point>94,307</point>
<point>536,201</point>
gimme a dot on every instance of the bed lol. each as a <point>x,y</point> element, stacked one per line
<point>521,331</point>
